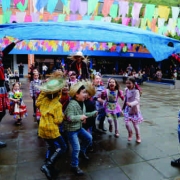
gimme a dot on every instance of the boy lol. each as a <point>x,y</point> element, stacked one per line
<point>51,117</point>
<point>76,115</point>
<point>34,91</point>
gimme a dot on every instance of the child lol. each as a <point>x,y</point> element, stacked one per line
<point>75,116</point>
<point>90,107</point>
<point>98,101</point>
<point>17,107</point>
<point>72,78</point>
<point>132,108</point>
<point>112,107</point>
<point>51,117</point>
<point>34,91</point>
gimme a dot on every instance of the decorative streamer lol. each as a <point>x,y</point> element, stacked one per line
<point>163,12</point>
<point>51,5</point>
<point>6,5</point>
<point>113,11</point>
<point>83,8</point>
<point>66,8</point>
<point>65,2</point>
<point>91,6</point>
<point>22,7</point>
<point>6,16</point>
<point>106,7</point>
<point>136,10</point>
<point>35,17</point>
<point>161,22</point>
<point>41,4</point>
<point>20,16</point>
<point>74,5</point>
<point>17,1</point>
<point>123,8</point>
<point>175,12</point>
<point>149,12</point>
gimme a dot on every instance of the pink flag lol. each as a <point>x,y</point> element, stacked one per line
<point>106,7</point>
<point>13,18</point>
<point>83,8</point>
<point>74,5</point>
<point>125,20</point>
<point>17,1</point>
<point>28,18</point>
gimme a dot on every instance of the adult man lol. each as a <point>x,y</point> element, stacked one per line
<point>79,66</point>
<point>21,69</point>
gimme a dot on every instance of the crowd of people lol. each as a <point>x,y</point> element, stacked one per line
<point>68,107</point>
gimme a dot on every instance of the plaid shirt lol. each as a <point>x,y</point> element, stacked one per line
<point>34,91</point>
<point>73,115</point>
<point>51,116</point>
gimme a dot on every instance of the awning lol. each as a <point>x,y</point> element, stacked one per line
<point>93,31</point>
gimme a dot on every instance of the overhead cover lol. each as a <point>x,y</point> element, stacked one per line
<point>93,31</point>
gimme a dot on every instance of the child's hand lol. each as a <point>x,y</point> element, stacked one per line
<point>128,104</point>
<point>83,117</point>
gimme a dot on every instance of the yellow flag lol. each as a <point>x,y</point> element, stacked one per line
<point>163,12</point>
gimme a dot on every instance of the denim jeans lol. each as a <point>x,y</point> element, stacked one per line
<point>57,144</point>
<point>86,140</point>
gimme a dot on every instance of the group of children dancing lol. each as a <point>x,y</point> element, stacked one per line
<point>69,110</point>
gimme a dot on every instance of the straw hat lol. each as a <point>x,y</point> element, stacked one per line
<point>52,86</point>
<point>90,88</point>
<point>74,88</point>
<point>79,53</point>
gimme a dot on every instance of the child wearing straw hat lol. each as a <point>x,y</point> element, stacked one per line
<point>76,115</point>
<point>51,117</point>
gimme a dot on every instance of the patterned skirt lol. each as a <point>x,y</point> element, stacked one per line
<point>135,118</point>
<point>4,101</point>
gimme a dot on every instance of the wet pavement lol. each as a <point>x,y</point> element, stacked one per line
<point>114,158</point>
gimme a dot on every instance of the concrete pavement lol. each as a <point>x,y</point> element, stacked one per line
<point>114,158</point>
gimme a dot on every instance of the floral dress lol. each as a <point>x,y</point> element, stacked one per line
<point>18,109</point>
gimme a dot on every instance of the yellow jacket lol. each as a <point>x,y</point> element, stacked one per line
<point>51,116</point>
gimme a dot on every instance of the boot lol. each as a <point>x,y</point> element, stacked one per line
<point>175,163</point>
<point>77,171</point>
<point>130,136</point>
<point>46,169</point>
<point>116,133</point>
<point>2,144</point>
<point>83,155</point>
<point>138,138</point>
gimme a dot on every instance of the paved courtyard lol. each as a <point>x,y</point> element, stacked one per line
<point>114,158</point>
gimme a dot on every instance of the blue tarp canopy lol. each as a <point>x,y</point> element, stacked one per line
<point>94,31</point>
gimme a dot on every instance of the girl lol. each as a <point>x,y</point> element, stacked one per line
<point>17,106</point>
<point>72,78</point>
<point>112,107</point>
<point>132,109</point>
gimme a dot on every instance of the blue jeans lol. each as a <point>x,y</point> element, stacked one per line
<point>86,140</point>
<point>55,145</point>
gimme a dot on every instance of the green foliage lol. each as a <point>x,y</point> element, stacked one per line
<point>159,2</point>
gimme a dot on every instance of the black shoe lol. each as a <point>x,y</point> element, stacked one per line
<point>83,155</point>
<point>2,144</point>
<point>46,170</point>
<point>90,149</point>
<point>102,128</point>
<point>77,171</point>
<point>175,163</point>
